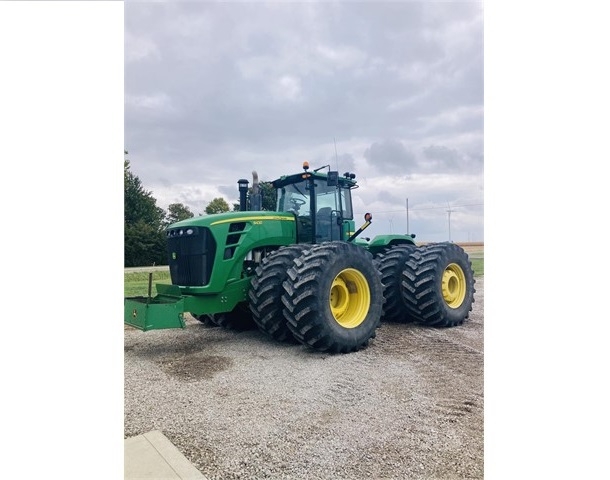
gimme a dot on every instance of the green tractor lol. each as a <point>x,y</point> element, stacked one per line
<point>301,273</point>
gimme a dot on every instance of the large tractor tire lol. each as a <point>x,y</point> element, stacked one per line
<point>390,265</point>
<point>266,292</point>
<point>438,285</point>
<point>333,297</point>
<point>238,319</point>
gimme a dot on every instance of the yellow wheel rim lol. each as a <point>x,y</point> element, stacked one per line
<point>454,285</point>
<point>350,298</point>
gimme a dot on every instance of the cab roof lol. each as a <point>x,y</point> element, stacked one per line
<point>344,181</point>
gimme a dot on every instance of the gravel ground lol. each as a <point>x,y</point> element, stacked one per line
<point>239,405</point>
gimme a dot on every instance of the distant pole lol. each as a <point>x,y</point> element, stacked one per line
<point>449,219</point>
<point>407,216</point>
<point>336,156</point>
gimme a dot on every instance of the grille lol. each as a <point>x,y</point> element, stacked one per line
<point>233,239</point>
<point>191,253</point>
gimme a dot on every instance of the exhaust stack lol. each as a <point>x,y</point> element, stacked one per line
<point>243,194</point>
<point>256,199</point>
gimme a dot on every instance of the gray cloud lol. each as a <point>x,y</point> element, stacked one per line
<point>390,156</point>
<point>443,159</point>
<point>215,90</point>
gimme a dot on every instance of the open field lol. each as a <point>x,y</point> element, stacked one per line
<point>136,282</point>
<point>473,249</point>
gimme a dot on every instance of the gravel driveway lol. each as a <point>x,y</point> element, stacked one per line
<point>239,405</point>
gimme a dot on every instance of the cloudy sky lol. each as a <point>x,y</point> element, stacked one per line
<point>216,90</point>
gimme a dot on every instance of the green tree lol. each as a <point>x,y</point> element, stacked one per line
<point>143,231</point>
<point>269,197</point>
<point>144,245</point>
<point>177,212</point>
<point>140,205</point>
<point>217,205</point>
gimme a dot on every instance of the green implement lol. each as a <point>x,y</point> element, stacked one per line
<point>162,311</point>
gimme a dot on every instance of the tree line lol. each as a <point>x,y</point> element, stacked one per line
<point>145,222</point>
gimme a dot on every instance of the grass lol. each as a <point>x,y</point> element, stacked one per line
<point>136,283</point>
<point>477,266</point>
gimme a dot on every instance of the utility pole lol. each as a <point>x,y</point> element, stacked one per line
<point>407,216</point>
<point>449,219</point>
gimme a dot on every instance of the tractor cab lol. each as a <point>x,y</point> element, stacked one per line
<point>321,203</point>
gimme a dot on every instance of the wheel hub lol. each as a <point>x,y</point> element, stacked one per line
<point>350,298</point>
<point>453,285</point>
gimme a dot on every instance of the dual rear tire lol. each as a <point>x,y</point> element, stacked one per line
<point>390,265</point>
<point>432,284</point>
<point>326,296</point>
<point>438,285</point>
<point>333,298</point>
<point>266,291</point>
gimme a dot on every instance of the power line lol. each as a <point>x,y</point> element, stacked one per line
<point>431,208</point>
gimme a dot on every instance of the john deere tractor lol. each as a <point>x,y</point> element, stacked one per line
<point>301,273</point>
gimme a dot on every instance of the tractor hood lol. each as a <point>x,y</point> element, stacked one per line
<point>231,217</point>
<point>221,242</point>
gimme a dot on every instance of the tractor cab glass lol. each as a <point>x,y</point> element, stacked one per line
<point>294,198</point>
<point>332,206</point>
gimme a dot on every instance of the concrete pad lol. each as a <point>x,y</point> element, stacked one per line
<point>153,457</point>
